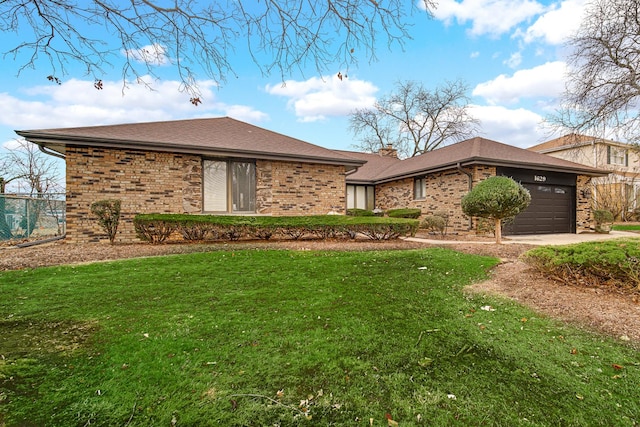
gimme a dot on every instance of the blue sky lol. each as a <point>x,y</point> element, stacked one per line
<point>509,52</point>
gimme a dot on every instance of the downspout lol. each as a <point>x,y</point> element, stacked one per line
<point>470,177</point>
<point>51,153</point>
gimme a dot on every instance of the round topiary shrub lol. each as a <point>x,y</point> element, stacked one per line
<point>496,198</point>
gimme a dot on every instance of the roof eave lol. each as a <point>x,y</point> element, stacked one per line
<point>491,162</point>
<point>49,140</point>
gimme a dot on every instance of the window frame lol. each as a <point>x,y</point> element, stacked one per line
<point>369,196</point>
<point>231,182</point>
<point>617,156</point>
<point>420,188</point>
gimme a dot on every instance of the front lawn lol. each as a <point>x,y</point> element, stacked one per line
<point>626,227</point>
<point>263,338</point>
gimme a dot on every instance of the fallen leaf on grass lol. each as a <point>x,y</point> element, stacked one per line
<point>425,362</point>
<point>617,367</point>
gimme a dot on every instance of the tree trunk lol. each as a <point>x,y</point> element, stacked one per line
<point>498,227</point>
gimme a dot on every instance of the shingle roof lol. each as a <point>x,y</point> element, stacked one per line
<point>222,136</point>
<point>475,151</point>
<point>569,141</point>
<point>225,136</point>
<point>375,166</point>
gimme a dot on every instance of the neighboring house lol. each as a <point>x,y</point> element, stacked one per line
<point>224,166</point>
<point>436,182</point>
<point>618,191</point>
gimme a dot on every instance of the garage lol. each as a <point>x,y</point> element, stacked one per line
<point>553,203</point>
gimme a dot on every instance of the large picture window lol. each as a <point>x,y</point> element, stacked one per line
<point>360,197</point>
<point>229,186</point>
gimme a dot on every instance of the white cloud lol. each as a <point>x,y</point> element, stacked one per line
<point>546,80</point>
<point>514,60</point>
<point>13,144</point>
<point>78,103</point>
<point>153,54</point>
<point>494,17</point>
<point>316,98</point>
<point>554,26</point>
<point>519,127</point>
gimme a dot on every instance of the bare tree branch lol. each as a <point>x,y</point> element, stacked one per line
<point>34,172</point>
<point>603,86</point>
<point>281,36</point>
<point>415,120</point>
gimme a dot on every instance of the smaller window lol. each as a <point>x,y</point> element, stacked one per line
<point>420,189</point>
<point>617,156</point>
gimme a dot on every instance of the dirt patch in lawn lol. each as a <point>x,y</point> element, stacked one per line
<point>611,313</point>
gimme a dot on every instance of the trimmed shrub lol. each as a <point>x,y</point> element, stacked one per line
<point>604,220</point>
<point>613,262</point>
<point>359,212</point>
<point>497,198</point>
<point>156,228</point>
<point>404,213</point>
<point>602,216</point>
<point>108,213</point>
<point>435,223</point>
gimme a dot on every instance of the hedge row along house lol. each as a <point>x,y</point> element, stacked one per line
<point>225,166</point>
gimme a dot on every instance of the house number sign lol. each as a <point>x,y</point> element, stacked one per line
<point>539,178</point>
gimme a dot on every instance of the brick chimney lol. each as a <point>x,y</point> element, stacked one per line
<point>388,151</point>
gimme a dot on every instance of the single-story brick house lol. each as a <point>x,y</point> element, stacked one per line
<point>437,181</point>
<point>225,166</point>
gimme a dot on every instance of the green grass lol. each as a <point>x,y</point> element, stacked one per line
<point>262,338</point>
<point>626,227</point>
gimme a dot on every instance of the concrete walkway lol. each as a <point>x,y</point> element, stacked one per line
<point>537,239</point>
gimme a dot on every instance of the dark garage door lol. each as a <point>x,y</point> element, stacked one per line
<point>551,211</point>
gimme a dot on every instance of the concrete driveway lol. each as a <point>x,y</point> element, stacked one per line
<point>541,239</point>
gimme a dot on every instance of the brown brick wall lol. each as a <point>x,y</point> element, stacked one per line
<point>444,193</point>
<point>150,182</point>
<point>145,182</point>
<point>584,219</point>
<point>305,189</point>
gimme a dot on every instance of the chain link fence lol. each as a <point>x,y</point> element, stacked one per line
<point>28,218</point>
